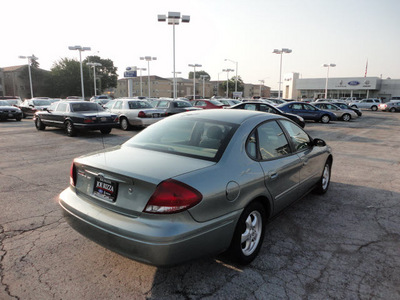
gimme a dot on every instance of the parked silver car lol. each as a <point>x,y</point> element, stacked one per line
<point>134,112</point>
<point>391,106</point>
<point>371,104</point>
<point>341,114</point>
<point>195,184</point>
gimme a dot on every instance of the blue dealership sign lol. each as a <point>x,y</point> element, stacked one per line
<point>354,82</point>
<point>130,74</point>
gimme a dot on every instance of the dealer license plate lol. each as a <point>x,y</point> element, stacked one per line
<point>105,189</point>
<point>103,119</point>
<point>156,115</point>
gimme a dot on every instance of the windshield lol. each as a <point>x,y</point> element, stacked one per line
<point>87,106</point>
<point>4,103</point>
<point>41,102</point>
<point>198,138</point>
<point>215,102</point>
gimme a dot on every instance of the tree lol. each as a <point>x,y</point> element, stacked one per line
<point>66,76</point>
<point>106,74</point>
<point>231,85</point>
<point>198,74</point>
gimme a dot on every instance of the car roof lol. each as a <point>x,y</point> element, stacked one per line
<point>235,116</point>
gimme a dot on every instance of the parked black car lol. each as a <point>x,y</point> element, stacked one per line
<point>173,106</point>
<point>30,106</point>
<point>345,106</point>
<point>76,115</point>
<point>260,106</point>
<point>7,111</point>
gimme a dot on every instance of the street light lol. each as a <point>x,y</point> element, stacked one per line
<point>203,77</point>
<point>141,89</point>
<point>261,84</point>
<point>327,76</point>
<point>30,58</point>
<point>227,80</point>
<point>94,65</point>
<point>148,59</point>
<point>281,51</point>
<point>173,19</point>
<point>194,78</point>
<point>80,49</point>
<point>236,77</point>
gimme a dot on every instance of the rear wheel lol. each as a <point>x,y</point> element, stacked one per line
<point>105,130</point>
<point>346,117</point>
<point>325,119</point>
<point>374,108</point>
<point>392,109</point>
<point>249,234</point>
<point>124,124</point>
<point>39,124</point>
<point>70,129</point>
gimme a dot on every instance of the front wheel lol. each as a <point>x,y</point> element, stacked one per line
<point>249,234</point>
<point>323,183</point>
<point>346,117</point>
<point>39,124</point>
<point>325,119</point>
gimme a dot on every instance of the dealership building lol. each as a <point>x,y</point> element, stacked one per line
<point>294,87</point>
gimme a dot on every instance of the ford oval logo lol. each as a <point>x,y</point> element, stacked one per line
<point>353,82</point>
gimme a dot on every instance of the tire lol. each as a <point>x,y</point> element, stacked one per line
<point>249,234</point>
<point>39,124</point>
<point>124,124</point>
<point>323,183</point>
<point>18,119</point>
<point>346,117</point>
<point>105,130</point>
<point>70,129</point>
<point>325,119</point>
<point>374,108</point>
<point>392,109</point>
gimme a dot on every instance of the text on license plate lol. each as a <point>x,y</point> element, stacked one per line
<point>103,119</point>
<point>105,189</point>
<point>156,115</point>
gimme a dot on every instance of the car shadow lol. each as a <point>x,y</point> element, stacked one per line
<point>345,231</point>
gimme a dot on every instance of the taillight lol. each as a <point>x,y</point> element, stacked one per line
<point>72,175</point>
<point>172,196</point>
<point>141,114</point>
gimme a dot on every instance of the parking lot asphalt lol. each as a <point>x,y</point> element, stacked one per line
<point>342,245</point>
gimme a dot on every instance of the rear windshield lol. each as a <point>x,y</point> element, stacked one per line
<point>198,138</point>
<point>139,104</point>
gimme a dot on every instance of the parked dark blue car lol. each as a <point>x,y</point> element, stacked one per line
<point>308,112</point>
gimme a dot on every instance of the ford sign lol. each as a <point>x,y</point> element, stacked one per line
<point>353,83</point>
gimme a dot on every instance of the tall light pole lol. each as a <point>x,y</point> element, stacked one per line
<point>94,65</point>
<point>177,90</point>
<point>218,83</point>
<point>227,80</point>
<point>141,89</point>
<point>236,77</point>
<point>280,52</point>
<point>194,78</point>
<point>80,49</point>
<point>30,58</point>
<point>148,59</point>
<point>203,77</point>
<point>173,19</point>
<point>327,76</point>
<point>261,84</point>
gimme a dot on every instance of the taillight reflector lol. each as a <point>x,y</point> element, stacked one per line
<point>141,114</point>
<point>72,175</point>
<point>172,196</point>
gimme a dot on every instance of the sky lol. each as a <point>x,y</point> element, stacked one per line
<point>349,33</point>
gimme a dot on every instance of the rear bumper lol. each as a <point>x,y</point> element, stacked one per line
<point>160,240</point>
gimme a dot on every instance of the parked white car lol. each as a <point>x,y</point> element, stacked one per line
<point>134,112</point>
<point>371,104</point>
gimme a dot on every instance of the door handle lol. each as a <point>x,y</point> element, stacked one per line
<point>273,175</point>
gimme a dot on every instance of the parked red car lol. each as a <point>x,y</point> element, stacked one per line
<point>207,104</point>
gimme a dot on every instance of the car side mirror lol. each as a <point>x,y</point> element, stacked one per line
<point>319,143</point>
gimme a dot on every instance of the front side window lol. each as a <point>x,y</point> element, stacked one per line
<point>309,107</point>
<point>298,137</point>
